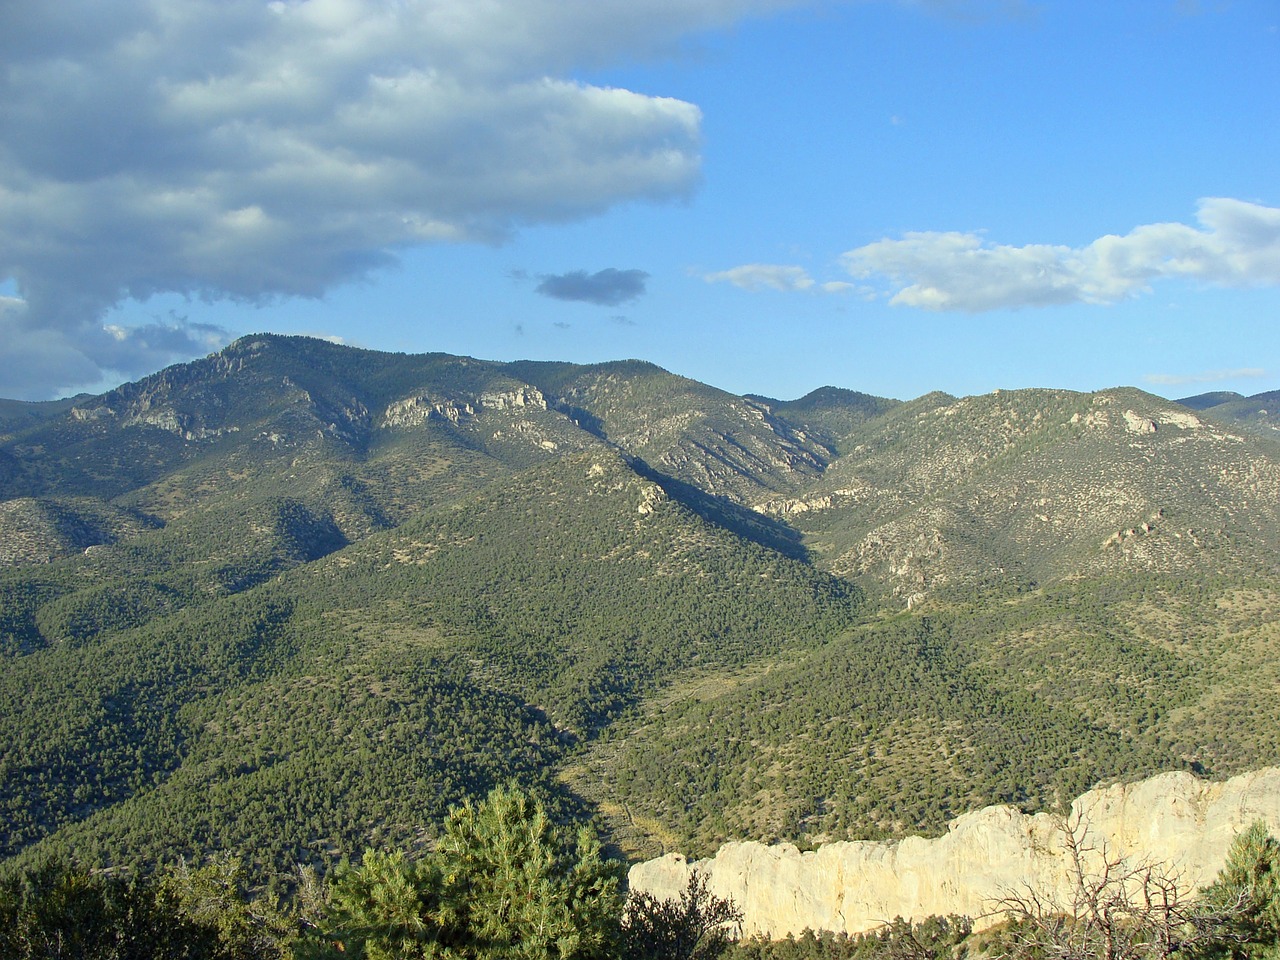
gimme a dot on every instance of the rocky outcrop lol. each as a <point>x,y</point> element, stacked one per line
<point>1174,819</point>
<point>417,410</point>
<point>1136,423</point>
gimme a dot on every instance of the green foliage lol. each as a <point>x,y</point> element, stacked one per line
<point>60,910</point>
<point>215,900</point>
<point>891,728</point>
<point>505,882</point>
<point>1245,899</point>
<point>1255,414</point>
<point>387,907</point>
<point>528,888</point>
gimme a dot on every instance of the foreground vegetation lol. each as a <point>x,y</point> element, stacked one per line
<point>506,881</point>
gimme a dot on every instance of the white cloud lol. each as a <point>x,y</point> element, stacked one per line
<point>769,276</point>
<point>250,149</point>
<point>763,276</point>
<point>1237,244</point>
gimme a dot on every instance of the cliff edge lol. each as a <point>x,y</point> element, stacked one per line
<point>1174,819</point>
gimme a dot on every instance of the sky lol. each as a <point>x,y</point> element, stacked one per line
<point>892,196</point>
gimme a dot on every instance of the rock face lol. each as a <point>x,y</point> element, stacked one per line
<point>1173,819</point>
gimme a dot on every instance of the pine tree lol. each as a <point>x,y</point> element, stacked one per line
<point>526,887</point>
<point>505,882</point>
<point>1246,895</point>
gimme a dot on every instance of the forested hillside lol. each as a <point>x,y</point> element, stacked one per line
<point>297,598</point>
<point>1258,414</point>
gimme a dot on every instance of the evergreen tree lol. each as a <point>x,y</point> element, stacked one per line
<point>526,887</point>
<point>1245,899</point>
<point>389,908</point>
<point>505,882</point>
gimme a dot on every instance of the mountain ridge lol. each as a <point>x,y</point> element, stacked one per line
<point>665,606</point>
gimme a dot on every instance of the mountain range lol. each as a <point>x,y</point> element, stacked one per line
<point>296,598</point>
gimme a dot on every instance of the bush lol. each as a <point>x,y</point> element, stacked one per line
<point>698,925</point>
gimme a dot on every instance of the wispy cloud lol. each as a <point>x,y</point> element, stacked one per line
<point>607,288</point>
<point>1206,376</point>
<point>771,276</point>
<point>1237,244</point>
<point>763,276</point>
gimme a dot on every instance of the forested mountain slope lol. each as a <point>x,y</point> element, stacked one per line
<point>296,598</point>
<point>374,686</point>
<point>1032,486</point>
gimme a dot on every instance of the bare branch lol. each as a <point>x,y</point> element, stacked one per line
<point>1116,909</point>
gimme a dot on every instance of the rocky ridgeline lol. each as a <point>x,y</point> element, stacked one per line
<point>417,410</point>
<point>1173,819</point>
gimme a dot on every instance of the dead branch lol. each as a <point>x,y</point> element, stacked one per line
<point>1116,909</point>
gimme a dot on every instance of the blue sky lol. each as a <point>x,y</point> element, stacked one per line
<point>765,195</point>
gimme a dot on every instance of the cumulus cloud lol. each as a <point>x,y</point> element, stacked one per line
<point>1237,244</point>
<point>251,149</point>
<point>607,288</point>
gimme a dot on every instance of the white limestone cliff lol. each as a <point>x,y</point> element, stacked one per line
<point>1174,819</point>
